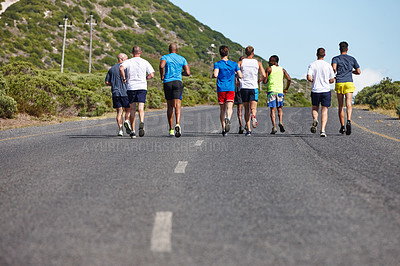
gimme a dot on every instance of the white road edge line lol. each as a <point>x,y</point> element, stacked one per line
<point>180,167</point>
<point>198,143</point>
<point>161,235</point>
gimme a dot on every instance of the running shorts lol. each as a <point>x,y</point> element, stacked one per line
<point>225,96</point>
<point>323,98</point>
<point>238,96</point>
<point>137,96</point>
<point>249,95</point>
<point>344,87</point>
<point>173,90</point>
<point>120,101</point>
<point>275,100</point>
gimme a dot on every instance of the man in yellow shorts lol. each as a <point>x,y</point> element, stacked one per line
<point>344,66</point>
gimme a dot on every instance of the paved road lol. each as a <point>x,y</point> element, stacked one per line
<point>75,194</point>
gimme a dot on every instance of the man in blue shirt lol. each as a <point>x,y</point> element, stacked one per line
<point>119,94</point>
<point>171,74</point>
<point>344,66</point>
<point>225,71</point>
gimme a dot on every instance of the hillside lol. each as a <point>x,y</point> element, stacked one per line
<point>31,32</point>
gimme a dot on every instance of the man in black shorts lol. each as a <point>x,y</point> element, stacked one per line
<point>119,94</point>
<point>171,74</point>
<point>238,101</point>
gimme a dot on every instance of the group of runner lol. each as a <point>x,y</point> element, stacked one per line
<point>237,82</point>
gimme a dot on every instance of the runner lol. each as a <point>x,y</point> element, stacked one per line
<point>250,68</point>
<point>138,71</point>
<point>238,100</point>
<point>225,71</point>
<point>320,73</point>
<point>118,91</point>
<point>344,66</point>
<point>171,74</point>
<point>274,77</point>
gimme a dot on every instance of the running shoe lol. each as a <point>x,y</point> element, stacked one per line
<point>227,125</point>
<point>133,135</point>
<point>178,131</point>
<point>281,128</point>
<point>128,127</point>
<point>141,129</point>
<point>171,133</point>
<point>274,130</point>
<point>314,126</point>
<point>241,131</point>
<point>253,121</point>
<point>223,133</point>
<point>120,133</point>
<point>248,134</point>
<point>323,135</point>
<point>348,127</point>
<point>342,130</point>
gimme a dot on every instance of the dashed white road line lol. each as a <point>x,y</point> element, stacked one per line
<point>180,167</point>
<point>161,235</point>
<point>198,143</point>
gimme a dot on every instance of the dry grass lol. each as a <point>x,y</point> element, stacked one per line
<point>391,113</point>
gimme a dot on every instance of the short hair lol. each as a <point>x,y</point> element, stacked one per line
<point>136,50</point>
<point>173,47</point>
<point>320,52</point>
<point>122,56</point>
<point>223,50</point>
<point>241,58</point>
<point>275,58</point>
<point>249,50</point>
<point>343,46</point>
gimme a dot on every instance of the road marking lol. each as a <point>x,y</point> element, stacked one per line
<point>198,143</point>
<point>376,133</point>
<point>180,167</point>
<point>161,235</point>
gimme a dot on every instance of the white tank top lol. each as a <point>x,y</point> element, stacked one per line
<point>249,70</point>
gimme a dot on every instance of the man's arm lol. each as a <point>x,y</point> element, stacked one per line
<point>261,71</point>
<point>187,70</point>
<point>357,71</point>
<point>267,73</point>
<point>309,78</point>
<point>150,76</point>
<point>334,66</point>
<point>289,80</point>
<point>215,73</point>
<point>122,73</point>
<point>162,69</point>
<point>239,73</point>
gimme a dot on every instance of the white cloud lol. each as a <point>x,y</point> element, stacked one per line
<point>367,78</point>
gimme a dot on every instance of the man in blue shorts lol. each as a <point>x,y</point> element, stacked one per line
<point>320,73</point>
<point>225,71</point>
<point>344,66</point>
<point>119,94</point>
<point>171,74</point>
<point>139,71</point>
<point>275,95</point>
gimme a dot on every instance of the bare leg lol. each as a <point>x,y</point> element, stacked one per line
<point>222,108</point>
<point>120,113</point>
<point>240,113</point>
<point>133,115</point>
<point>273,116</point>
<point>229,109</point>
<point>177,106</point>
<point>170,113</point>
<point>349,98</point>
<point>340,108</point>
<point>141,112</point>
<point>280,114</point>
<point>128,114</point>
<point>253,107</point>
<point>247,115</point>
<point>324,117</point>
<point>314,112</point>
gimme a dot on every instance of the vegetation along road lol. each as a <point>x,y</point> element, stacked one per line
<point>75,194</point>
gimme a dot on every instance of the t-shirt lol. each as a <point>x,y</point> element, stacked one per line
<point>226,75</point>
<point>249,68</point>
<point>173,68</point>
<point>345,65</point>
<point>275,80</point>
<point>138,69</point>
<point>321,72</point>
<point>118,88</point>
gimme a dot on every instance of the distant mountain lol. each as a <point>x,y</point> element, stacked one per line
<point>31,32</point>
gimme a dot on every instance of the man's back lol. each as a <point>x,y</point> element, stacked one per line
<point>118,88</point>
<point>345,65</point>
<point>321,72</point>
<point>137,69</point>
<point>173,67</point>
<point>226,75</point>
<point>275,80</point>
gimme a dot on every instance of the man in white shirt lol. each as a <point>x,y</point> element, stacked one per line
<point>138,71</point>
<point>321,74</point>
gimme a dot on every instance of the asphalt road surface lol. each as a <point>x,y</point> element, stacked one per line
<point>76,194</point>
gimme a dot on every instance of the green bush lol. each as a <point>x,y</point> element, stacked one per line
<point>398,109</point>
<point>8,106</point>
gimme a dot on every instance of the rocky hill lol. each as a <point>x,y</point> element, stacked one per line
<point>31,32</point>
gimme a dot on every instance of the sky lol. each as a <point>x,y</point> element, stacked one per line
<point>294,30</point>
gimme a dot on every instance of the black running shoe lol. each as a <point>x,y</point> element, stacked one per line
<point>227,125</point>
<point>281,128</point>
<point>314,126</point>
<point>348,127</point>
<point>141,129</point>
<point>224,133</point>
<point>133,135</point>
<point>241,131</point>
<point>342,130</point>
<point>274,130</point>
<point>178,131</point>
